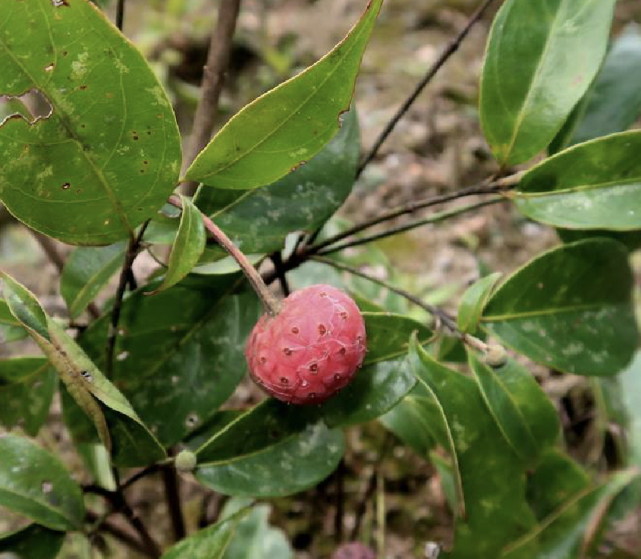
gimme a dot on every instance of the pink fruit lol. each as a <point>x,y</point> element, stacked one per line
<point>353,550</point>
<point>311,349</point>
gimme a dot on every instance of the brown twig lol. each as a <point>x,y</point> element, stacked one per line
<point>125,275</point>
<point>270,304</point>
<point>487,187</point>
<point>449,322</point>
<point>277,260</point>
<point>451,48</point>
<point>435,218</point>
<point>172,496</point>
<point>117,532</point>
<point>120,14</point>
<point>212,83</point>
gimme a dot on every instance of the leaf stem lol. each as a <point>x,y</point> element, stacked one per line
<point>120,14</point>
<point>103,525</point>
<point>270,304</point>
<point>451,48</point>
<point>172,496</point>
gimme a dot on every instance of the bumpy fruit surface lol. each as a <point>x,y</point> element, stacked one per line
<point>311,350</point>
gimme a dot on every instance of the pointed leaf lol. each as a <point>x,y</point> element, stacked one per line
<point>188,246</point>
<point>388,335</point>
<point>87,271</point>
<point>289,124</point>
<point>24,306</point>
<point>300,201</point>
<point>570,309</point>
<point>541,59</point>
<point>492,477</point>
<point>10,328</point>
<point>524,414</point>
<point>108,154</point>
<point>271,450</point>
<point>31,542</point>
<point>592,185</point>
<point>27,385</point>
<point>472,302</point>
<point>36,484</point>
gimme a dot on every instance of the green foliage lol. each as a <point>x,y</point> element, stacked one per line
<point>32,542</point>
<point>472,303</point>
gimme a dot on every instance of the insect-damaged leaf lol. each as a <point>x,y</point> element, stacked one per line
<point>108,154</point>
<point>289,124</point>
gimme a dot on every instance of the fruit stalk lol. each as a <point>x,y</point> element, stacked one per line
<point>270,303</point>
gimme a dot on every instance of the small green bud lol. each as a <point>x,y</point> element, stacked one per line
<point>185,461</point>
<point>496,356</point>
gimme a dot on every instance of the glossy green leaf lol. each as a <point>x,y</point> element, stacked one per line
<point>27,385</point>
<point>374,390</point>
<point>108,155</point>
<point>188,246</point>
<point>31,542</point>
<point>569,532</point>
<point>24,306</point>
<point>493,483</point>
<point>524,414</point>
<point>541,58</point>
<point>36,484</point>
<point>259,220</point>
<point>180,353</point>
<point>589,186</point>
<point>208,543</point>
<point>570,309</point>
<point>87,271</point>
<point>271,450</point>
<point>289,124</point>
<point>10,328</point>
<point>256,539</point>
<point>472,302</point>
<point>388,335</point>
<point>613,102</point>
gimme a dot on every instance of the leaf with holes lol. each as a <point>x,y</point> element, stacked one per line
<point>288,125</point>
<point>592,185</point>
<point>271,450</point>
<point>259,220</point>
<point>524,414</point>
<point>541,58</point>
<point>107,155</point>
<point>27,385</point>
<point>472,302</point>
<point>36,484</point>
<point>188,245</point>
<point>87,271</point>
<point>31,542</point>
<point>179,353</point>
<point>569,309</point>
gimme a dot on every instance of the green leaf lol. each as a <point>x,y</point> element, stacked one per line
<point>31,542</point>
<point>541,59</point>
<point>188,246</point>
<point>613,102</point>
<point>271,450</point>
<point>374,390</point>
<point>569,309</point>
<point>27,385</point>
<point>569,532</point>
<point>209,543</point>
<point>10,328</point>
<point>524,414</point>
<point>472,303</point>
<point>36,484</point>
<point>108,155</point>
<point>256,539</point>
<point>388,335</point>
<point>289,124</point>
<point>259,220</point>
<point>592,185</point>
<point>493,483</point>
<point>180,353</point>
<point>87,271</point>
<point>24,306</point>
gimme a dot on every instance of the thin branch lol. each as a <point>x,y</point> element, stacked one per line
<point>141,474</point>
<point>487,187</point>
<point>117,532</point>
<point>120,14</point>
<point>172,496</point>
<point>48,246</point>
<point>269,302</point>
<point>435,218</point>
<point>439,314</point>
<point>433,70</point>
<point>277,260</point>
<point>125,275</point>
<point>212,84</point>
